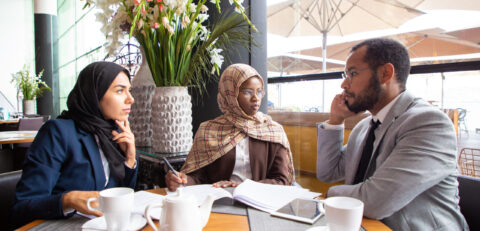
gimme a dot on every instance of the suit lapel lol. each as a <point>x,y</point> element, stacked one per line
<point>402,104</point>
<point>94,156</point>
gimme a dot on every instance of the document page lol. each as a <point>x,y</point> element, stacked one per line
<point>266,197</point>
<point>269,197</point>
<point>142,199</point>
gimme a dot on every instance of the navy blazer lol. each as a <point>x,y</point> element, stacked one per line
<point>62,158</point>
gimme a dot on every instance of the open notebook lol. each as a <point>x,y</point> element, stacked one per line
<point>265,197</point>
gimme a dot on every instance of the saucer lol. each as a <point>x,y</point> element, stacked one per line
<point>318,228</point>
<point>137,222</point>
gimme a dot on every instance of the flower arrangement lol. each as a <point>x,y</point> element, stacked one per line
<point>30,85</point>
<point>179,48</point>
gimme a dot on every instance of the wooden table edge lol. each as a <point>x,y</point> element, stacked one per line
<point>16,141</point>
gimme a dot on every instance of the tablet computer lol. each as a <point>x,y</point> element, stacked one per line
<point>304,210</point>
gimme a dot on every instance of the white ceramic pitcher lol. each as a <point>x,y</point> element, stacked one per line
<point>180,212</point>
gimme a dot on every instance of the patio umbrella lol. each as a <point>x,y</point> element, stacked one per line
<point>336,17</point>
<point>470,34</point>
<point>286,64</point>
<point>420,44</point>
<point>442,4</point>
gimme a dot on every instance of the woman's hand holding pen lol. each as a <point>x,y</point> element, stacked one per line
<point>173,182</point>
<point>126,140</point>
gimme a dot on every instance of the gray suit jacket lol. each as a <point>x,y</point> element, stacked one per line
<point>413,182</point>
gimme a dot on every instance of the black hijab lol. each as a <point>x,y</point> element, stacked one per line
<point>84,108</point>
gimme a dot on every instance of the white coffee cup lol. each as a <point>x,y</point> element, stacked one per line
<point>342,213</point>
<point>180,212</point>
<point>116,204</point>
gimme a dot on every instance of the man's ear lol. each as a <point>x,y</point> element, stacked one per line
<point>386,72</point>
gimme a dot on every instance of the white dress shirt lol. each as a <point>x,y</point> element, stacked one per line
<point>242,169</point>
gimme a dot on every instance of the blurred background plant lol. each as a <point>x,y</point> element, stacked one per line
<point>29,84</point>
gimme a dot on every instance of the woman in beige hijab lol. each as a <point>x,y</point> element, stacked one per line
<point>243,143</point>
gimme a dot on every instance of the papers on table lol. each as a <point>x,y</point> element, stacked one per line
<point>142,199</point>
<point>269,197</point>
<point>265,197</point>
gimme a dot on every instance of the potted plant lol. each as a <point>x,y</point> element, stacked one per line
<point>181,50</point>
<point>31,86</point>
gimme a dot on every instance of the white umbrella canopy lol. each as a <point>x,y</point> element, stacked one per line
<point>292,64</point>
<point>470,34</point>
<point>420,44</point>
<point>426,46</point>
<point>336,17</point>
<point>443,4</point>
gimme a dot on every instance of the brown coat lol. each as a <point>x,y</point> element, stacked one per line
<point>268,162</point>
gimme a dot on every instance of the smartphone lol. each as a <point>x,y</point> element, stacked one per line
<point>304,210</point>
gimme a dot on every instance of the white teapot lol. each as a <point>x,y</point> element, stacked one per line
<point>180,212</point>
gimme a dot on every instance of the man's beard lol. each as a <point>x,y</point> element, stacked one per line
<point>367,99</point>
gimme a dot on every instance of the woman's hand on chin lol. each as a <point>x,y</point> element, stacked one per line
<point>126,140</point>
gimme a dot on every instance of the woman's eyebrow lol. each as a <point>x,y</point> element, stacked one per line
<point>243,88</point>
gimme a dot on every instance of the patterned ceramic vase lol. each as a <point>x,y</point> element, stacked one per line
<point>172,120</point>
<point>140,116</point>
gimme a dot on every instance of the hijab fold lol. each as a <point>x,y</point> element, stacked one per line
<point>84,108</point>
<point>217,137</point>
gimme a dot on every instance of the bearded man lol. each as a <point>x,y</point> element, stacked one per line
<point>401,160</point>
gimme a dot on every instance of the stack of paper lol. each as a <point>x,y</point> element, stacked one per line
<point>265,197</point>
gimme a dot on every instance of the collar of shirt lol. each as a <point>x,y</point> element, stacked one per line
<point>384,111</point>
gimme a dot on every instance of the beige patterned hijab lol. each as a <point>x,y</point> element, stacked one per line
<point>217,137</point>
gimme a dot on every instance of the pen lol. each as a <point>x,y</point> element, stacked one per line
<point>171,169</point>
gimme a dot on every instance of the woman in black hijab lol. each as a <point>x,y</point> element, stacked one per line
<point>88,148</point>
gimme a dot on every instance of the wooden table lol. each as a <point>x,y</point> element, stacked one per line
<point>13,137</point>
<point>8,121</point>
<point>220,221</point>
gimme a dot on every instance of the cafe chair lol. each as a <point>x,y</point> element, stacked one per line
<point>469,162</point>
<point>462,126</point>
<point>8,182</point>
<point>45,117</point>
<point>25,124</point>
<point>468,188</point>
<point>30,124</point>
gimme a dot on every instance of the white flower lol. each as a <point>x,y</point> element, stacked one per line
<point>204,33</point>
<point>181,3</point>
<point>202,17</point>
<point>170,30</point>
<point>215,57</point>
<point>204,9</point>
<point>170,3</point>
<point>238,1</point>
<point>193,7</point>
<point>185,21</point>
<point>180,8</point>
<point>238,8</point>
<point>165,21</point>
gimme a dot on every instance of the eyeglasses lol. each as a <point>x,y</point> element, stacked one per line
<point>250,93</point>
<point>348,75</point>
